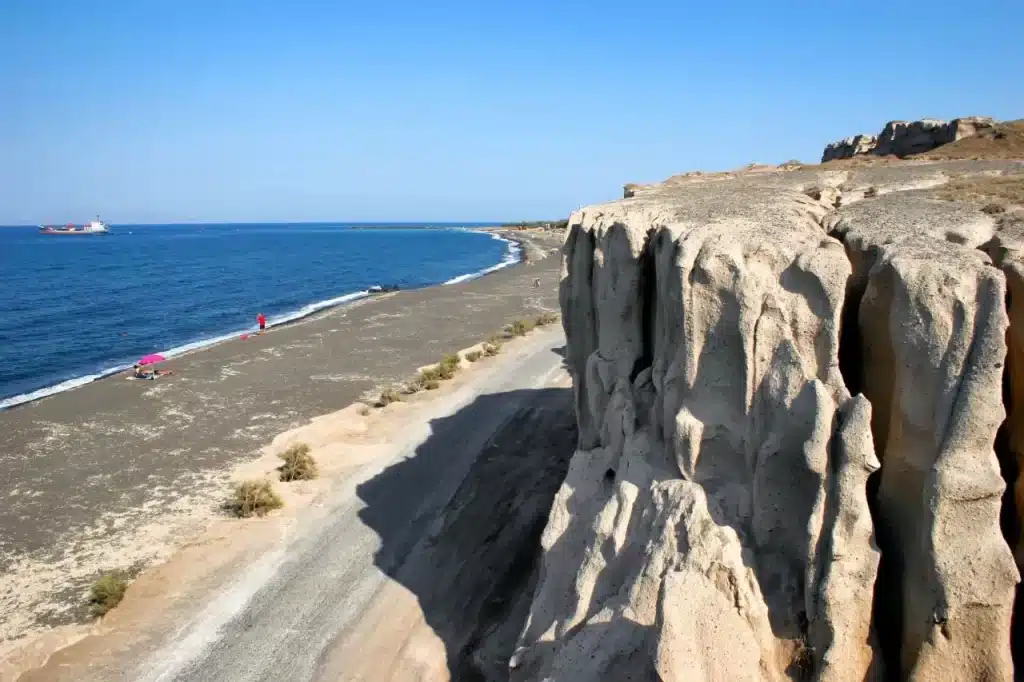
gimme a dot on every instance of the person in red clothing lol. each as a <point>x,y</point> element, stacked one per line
<point>262,321</point>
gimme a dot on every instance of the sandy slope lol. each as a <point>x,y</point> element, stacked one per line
<point>276,598</point>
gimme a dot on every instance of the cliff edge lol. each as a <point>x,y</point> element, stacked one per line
<point>793,437</point>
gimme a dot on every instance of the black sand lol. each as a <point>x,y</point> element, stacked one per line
<point>83,468</point>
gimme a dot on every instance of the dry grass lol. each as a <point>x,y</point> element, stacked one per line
<point>254,498</point>
<point>474,355</point>
<point>448,366</point>
<point>1003,188</point>
<point>106,593</point>
<point>388,396</point>
<point>298,465</point>
<point>1005,140</point>
<point>546,318</point>
<point>519,327</point>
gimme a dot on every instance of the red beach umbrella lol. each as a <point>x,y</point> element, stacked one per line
<point>151,359</point>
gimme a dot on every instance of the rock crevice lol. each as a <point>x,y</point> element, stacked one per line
<point>797,406</point>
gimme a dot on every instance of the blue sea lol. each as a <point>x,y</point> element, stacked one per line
<point>76,308</point>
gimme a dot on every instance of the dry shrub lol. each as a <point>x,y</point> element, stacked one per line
<point>474,355</point>
<point>520,327</point>
<point>993,209</point>
<point>492,349</point>
<point>546,318</point>
<point>387,397</point>
<point>106,593</point>
<point>298,465</point>
<point>431,384</point>
<point>448,366</point>
<point>254,498</point>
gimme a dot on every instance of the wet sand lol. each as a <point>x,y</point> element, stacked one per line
<point>118,473</point>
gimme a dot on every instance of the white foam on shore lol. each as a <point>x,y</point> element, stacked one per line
<point>75,382</point>
<point>513,255</point>
<point>58,388</point>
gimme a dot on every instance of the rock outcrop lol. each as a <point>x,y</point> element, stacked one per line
<point>787,415</point>
<point>904,138</point>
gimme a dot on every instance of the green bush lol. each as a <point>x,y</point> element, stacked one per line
<point>298,465</point>
<point>474,355</point>
<point>254,498</point>
<point>105,594</point>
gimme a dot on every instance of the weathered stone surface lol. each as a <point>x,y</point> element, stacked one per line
<point>904,138</point>
<point>716,522</point>
<point>849,147</point>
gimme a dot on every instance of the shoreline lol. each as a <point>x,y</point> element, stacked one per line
<point>351,445</point>
<point>113,475</point>
<point>515,254</point>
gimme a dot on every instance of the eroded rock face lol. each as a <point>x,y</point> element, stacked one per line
<point>716,522</point>
<point>904,138</point>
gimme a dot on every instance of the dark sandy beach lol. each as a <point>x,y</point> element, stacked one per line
<point>113,474</point>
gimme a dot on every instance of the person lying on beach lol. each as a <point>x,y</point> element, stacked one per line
<point>144,373</point>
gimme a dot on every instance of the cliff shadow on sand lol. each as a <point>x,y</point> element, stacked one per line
<point>468,555</point>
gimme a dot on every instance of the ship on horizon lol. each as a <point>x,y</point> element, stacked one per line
<point>96,226</point>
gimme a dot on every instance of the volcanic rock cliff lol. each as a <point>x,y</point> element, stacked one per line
<point>904,138</point>
<point>789,386</point>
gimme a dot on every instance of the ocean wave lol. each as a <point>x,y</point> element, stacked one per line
<point>285,318</point>
<point>513,255</point>
<point>59,388</point>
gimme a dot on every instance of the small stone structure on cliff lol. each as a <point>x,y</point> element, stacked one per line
<point>789,386</point>
<point>904,138</point>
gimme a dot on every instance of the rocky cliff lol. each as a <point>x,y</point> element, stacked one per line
<point>904,138</point>
<point>789,387</point>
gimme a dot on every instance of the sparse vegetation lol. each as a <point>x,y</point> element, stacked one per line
<point>388,396</point>
<point>474,355</point>
<point>984,188</point>
<point>519,327</point>
<point>448,367</point>
<point>1003,141</point>
<point>254,498</point>
<point>298,465</point>
<point>546,318</point>
<point>106,593</point>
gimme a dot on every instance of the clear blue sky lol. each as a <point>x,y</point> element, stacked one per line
<point>231,110</point>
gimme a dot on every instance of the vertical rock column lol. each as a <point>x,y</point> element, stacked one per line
<point>933,327</point>
<point>720,480</point>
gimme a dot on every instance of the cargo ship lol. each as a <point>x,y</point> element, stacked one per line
<point>94,227</point>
